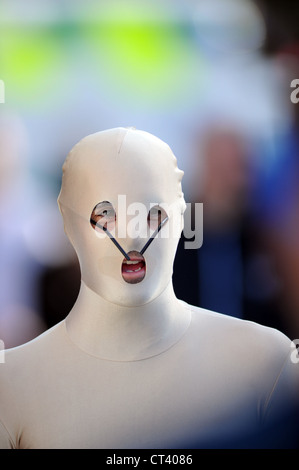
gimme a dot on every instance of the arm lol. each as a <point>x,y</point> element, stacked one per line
<point>281,409</point>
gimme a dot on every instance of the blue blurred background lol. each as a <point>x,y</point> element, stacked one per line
<point>212,79</point>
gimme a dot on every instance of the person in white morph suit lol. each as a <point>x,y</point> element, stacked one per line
<point>132,366</point>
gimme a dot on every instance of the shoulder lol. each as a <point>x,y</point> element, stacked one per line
<point>261,357</point>
<point>27,368</point>
<point>239,331</point>
<point>241,341</point>
<point>39,350</point>
<point>24,374</point>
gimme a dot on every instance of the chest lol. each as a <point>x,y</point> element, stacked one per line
<point>149,404</point>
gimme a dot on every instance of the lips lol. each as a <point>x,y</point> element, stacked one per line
<point>133,270</point>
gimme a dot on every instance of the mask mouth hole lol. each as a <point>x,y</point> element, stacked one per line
<point>133,271</point>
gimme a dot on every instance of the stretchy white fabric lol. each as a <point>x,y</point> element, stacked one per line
<point>132,366</point>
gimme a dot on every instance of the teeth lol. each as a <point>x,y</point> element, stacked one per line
<point>133,271</point>
<point>132,262</point>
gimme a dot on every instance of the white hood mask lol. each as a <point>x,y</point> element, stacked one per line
<point>117,178</point>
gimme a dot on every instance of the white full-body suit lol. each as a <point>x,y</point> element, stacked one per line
<point>132,366</point>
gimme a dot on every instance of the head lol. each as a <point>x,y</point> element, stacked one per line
<point>128,181</point>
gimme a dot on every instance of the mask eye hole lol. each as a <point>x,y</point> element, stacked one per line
<point>103,215</point>
<point>156,216</point>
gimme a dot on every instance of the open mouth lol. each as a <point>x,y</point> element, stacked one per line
<point>133,270</point>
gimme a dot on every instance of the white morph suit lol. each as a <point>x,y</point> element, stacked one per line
<point>132,366</point>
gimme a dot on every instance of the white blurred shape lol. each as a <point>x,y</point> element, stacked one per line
<point>18,325</point>
<point>13,148</point>
<point>230,25</point>
<point>45,238</point>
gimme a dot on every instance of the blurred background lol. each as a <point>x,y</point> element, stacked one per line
<point>212,79</point>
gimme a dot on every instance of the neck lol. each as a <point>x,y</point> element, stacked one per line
<point>119,333</point>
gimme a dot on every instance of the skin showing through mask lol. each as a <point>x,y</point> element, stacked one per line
<point>133,268</point>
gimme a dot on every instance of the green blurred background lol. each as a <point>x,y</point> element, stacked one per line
<point>212,79</point>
